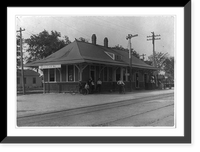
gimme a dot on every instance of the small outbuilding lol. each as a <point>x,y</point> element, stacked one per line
<point>32,79</point>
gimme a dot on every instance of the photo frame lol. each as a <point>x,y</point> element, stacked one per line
<point>5,138</point>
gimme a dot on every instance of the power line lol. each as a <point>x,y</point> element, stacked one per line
<point>120,26</point>
<point>130,24</point>
<point>70,27</point>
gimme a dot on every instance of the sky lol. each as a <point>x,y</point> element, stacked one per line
<point>115,28</point>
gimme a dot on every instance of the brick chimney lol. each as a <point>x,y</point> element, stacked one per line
<point>94,39</point>
<point>106,42</point>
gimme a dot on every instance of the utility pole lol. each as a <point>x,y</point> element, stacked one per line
<point>21,52</point>
<point>153,42</point>
<point>130,56</point>
<point>154,37</point>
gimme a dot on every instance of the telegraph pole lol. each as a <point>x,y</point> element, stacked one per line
<point>154,37</point>
<point>153,42</point>
<point>21,52</point>
<point>130,56</point>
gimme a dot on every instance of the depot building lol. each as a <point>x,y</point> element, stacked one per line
<point>78,61</point>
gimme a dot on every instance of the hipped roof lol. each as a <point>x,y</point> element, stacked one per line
<point>79,52</point>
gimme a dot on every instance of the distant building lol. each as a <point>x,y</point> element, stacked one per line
<point>32,79</point>
<point>79,61</point>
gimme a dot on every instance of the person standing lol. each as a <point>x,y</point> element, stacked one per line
<point>91,85</point>
<point>99,83</point>
<point>121,85</point>
<point>80,87</point>
<point>87,88</point>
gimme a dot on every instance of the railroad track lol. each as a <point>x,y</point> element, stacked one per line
<point>106,123</point>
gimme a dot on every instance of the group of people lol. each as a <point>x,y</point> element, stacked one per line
<point>89,86</point>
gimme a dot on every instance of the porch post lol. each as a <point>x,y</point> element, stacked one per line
<point>80,70</point>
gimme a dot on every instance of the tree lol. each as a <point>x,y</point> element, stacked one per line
<point>160,58</point>
<point>169,67</point>
<point>83,39</point>
<point>164,63</point>
<point>119,47</point>
<point>148,62</point>
<point>43,44</point>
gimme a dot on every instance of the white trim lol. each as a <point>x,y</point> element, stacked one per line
<point>111,55</point>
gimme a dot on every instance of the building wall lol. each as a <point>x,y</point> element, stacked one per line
<point>28,82</point>
<point>85,74</point>
<point>63,82</point>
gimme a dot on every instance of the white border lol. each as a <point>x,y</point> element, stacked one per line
<point>95,131</point>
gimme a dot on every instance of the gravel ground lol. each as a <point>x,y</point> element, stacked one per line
<point>42,103</point>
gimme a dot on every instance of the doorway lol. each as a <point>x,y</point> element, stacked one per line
<point>118,74</point>
<point>136,80</point>
<point>145,81</point>
<point>93,73</point>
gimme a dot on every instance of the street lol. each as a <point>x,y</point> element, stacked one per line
<point>148,111</point>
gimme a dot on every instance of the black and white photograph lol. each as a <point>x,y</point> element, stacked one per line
<point>101,75</point>
<point>95,71</point>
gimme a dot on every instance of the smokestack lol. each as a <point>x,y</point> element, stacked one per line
<point>94,39</point>
<point>106,42</point>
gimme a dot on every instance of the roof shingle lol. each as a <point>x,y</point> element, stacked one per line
<point>79,52</point>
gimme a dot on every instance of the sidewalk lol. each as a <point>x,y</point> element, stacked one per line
<point>43,103</point>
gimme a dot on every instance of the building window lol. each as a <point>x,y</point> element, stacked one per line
<point>34,80</point>
<point>51,75</point>
<point>118,58</point>
<point>63,72</point>
<point>70,73</point>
